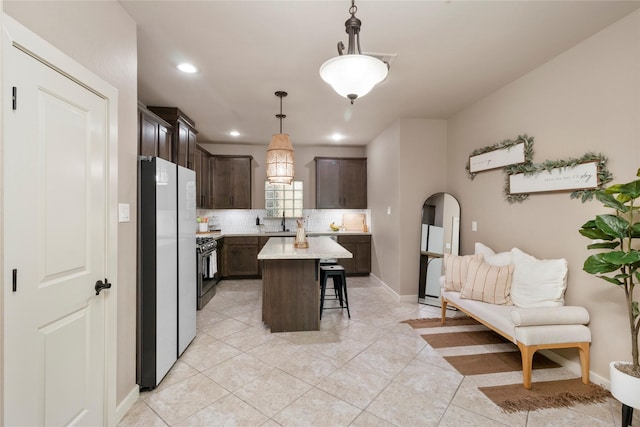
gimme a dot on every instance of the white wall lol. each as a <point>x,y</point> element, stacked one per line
<point>406,164</point>
<point>102,37</point>
<point>586,99</point>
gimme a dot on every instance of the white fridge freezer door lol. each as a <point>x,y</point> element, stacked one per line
<point>187,264</point>
<point>166,267</point>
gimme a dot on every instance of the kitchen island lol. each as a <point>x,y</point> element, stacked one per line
<point>290,288</point>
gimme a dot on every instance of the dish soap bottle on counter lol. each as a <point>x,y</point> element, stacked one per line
<point>257,220</point>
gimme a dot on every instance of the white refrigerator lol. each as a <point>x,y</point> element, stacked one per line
<point>166,294</point>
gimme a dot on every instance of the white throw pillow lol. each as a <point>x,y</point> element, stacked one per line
<point>538,283</point>
<point>488,283</point>
<point>490,257</point>
<point>455,270</point>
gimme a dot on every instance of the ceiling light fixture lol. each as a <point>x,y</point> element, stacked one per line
<point>353,75</point>
<point>234,133</point>
<point>280,153</point>
<point>187,68</point>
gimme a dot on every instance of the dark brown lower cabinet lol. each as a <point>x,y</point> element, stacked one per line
<point>360,247</point>
<point>240,257</point>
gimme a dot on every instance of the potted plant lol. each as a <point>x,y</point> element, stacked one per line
<point>618,262</point>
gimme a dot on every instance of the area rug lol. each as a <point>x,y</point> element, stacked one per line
<point>466,332</point>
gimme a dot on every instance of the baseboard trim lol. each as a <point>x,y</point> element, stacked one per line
<point>574,367</point>
<point>127,403</point>
<point>385,286</point>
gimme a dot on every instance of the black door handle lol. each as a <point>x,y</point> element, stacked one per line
<point>100,285</point>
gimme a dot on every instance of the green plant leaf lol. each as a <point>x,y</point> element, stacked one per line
<point>606,198</point>
<point>613,225</point>
<point>635,230</point>
<point>620,257</point>
<point>636,310</point>
<point>613,189</point>
<point>596,264</point>
<point>631,189</point>
<point>595,234</point>
<point>611,280</point>
<point>603,245</point>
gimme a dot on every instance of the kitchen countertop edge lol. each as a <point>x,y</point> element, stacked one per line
<point>217,236</point>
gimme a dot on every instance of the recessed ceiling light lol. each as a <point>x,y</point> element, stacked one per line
<point>337,137</point>
<point>187,68</point>
<point>234,133</point>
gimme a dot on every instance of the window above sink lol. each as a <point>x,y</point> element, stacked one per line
<point>287,198</point>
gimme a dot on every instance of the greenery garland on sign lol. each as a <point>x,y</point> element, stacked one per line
<point>604,176</point>
<point>507,143</point>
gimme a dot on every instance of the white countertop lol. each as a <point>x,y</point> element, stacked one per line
<point>319,247</point>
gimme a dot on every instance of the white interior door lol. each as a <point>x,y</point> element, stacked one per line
<point>55,230</point>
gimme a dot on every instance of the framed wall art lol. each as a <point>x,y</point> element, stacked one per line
<point>581,176</point>
<point>500,155</point>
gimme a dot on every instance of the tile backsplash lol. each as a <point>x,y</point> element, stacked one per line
<point>244,220</point>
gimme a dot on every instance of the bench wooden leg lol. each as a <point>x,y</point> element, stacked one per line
<point>527,353</point>
<point>443,308</point>
<point>583,352</point>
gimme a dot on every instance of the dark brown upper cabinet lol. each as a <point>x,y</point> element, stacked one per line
<point>203,177</point>
<point>154,135</point>
<point>184,135</point>
<point>230,182</point>
<point>341,183</point>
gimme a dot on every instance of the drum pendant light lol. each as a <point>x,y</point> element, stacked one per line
<point>280,168</point>
<point>353,75</point>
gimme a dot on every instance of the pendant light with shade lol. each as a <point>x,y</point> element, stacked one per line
<point>353,75</point>
<point>280,167</point>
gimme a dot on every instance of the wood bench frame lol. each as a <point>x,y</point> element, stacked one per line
<point>527,351</point>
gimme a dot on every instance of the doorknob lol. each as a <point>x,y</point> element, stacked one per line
<point>100,285</point>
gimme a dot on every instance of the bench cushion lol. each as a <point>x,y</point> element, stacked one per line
<point>567,315</point>
<point>500,318</point>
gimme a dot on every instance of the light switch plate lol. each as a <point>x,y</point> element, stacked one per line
<point>123,212</point>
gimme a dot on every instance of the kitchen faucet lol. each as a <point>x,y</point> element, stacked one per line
<point>283,222</point>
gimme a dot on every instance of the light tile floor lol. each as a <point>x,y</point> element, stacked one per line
<point>369,370</point>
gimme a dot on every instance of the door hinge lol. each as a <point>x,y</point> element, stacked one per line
<point>15,279</point>
<point>14,97</point>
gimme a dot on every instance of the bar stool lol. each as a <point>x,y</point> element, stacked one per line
<point>329,261</point>
<point>337,274</point>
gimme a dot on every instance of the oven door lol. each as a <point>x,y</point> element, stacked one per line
<point>208,276</point>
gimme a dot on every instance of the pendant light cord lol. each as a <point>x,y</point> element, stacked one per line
<point>281,94</point>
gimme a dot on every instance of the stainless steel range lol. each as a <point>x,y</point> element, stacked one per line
<point>208,269</point>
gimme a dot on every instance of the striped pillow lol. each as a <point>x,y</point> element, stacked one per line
<point>488,283</point>
<point>455,270</point>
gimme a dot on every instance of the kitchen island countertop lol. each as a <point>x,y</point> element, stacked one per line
<point>319,247</point>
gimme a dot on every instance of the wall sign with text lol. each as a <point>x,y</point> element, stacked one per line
<point>500,155</point>
<point>497,158</point>
<point>580,177</point>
